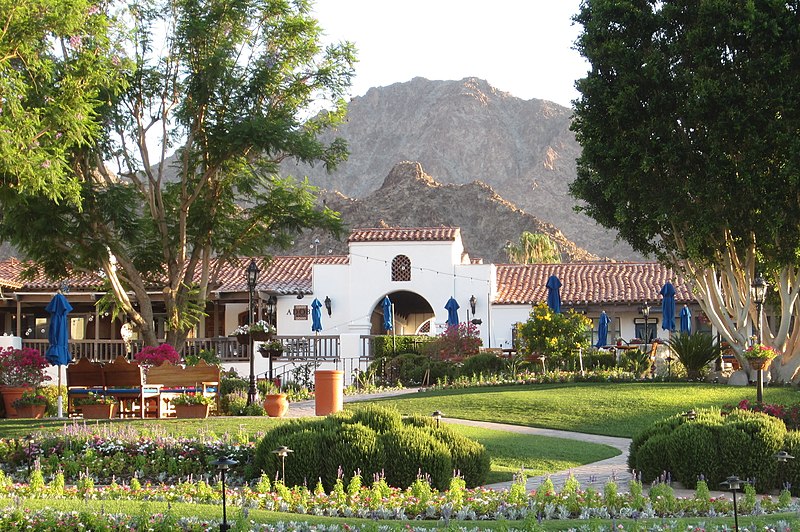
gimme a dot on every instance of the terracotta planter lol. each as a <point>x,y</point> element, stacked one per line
<point>276,404</point>
<point>11,394</point>
<point>759,363</point>
<point>192,411</point>
<point>31,411</point>
<point>98,411</point>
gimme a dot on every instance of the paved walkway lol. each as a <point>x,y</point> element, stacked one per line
<point>593,475</point>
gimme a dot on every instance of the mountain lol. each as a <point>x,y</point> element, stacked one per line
<point>409,197</point>
<point>462,132</point>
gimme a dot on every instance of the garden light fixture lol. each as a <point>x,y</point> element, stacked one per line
<point>223,463</point>
<point>690,415</point>
<point>782,457</point>
<point>733,483</point>
<point>759,292</point>
<point>437,416</point>
<point>252,278</point>
<point>283,452</point>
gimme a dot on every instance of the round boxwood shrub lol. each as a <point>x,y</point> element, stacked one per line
<point>742,443</point>
<point>370,440</point>
<point>416,452</point>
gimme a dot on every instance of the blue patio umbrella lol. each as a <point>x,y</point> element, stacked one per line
<point>668,307</point>
<point>316,315</point>
<point>452,307</point>
<point>553,293</point>
<point>388,321</point>
<point>58,335</point>
<point>602,330</point>
<point>686,320</point>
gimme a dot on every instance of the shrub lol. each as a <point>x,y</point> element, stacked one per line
<point>485,364</point>
<point>388,346</point>
<point>156,355</point>
<point>695,351</point>
<point>414,451</point>
<point>370,440</point>
<point>407,368</point>
<point>555,335</point>
<point>714,446</point>
<point>458,341</point>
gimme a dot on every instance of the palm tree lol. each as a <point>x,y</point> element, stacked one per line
<point>533,248</point>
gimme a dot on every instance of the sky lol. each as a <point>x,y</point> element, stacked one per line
<point>524,47</point>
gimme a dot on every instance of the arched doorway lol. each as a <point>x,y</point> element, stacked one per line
<point>412,313</point>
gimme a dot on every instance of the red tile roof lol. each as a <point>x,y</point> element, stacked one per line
<point>404,234</point>
<point>588,282</point>
<point>284,275</point>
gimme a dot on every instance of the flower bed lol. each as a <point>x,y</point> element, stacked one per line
<point>379,501</point>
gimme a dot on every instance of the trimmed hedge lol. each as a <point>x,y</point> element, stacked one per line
<point>388,345</point>
<point>370,440</point>
<point>715,446</point>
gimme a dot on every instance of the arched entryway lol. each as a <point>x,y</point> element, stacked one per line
<point>412,314</point>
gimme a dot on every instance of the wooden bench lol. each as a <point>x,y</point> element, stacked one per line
<point>125,382</point>
<point>83,377</point>
<point>175,380</point>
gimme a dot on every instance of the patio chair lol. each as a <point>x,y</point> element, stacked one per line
<point>125,382</point>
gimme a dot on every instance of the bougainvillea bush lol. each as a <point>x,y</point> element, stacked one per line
<point>156,355</point>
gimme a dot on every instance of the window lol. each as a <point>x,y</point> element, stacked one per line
<point>401,268</point>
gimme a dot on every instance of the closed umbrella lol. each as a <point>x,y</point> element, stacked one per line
<point>58,335</point>
<point>686,320</point>
<point>452,312</point>
<point>388,321</point>
<point>316,316</point>
<point>602,330</point>
<point>668,307</point>
<point>553,293</point>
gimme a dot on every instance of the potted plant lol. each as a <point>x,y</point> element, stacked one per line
<point>94,406</point>
<point>21,370</point>
<point>271,349</point>
<point>260,331</point>
<point>759,355</point>
<point>275,402</point>
<point>192,405</point>
<point>30,405</point>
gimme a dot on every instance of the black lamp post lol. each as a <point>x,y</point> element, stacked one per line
<point>438,417</point>
<point>759,292</point>
<point>283,452</point>
<point>782,457</point>
<point>223,463</point>
<point>252,278</point>
<point>734,484</point>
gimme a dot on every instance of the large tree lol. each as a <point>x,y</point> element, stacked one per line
<point>56,65</point>
<point>238,86</point>
<point>689,120</point>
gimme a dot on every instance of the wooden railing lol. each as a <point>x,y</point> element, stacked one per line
<point>296,348</point>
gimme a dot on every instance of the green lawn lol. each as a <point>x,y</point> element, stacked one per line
<point>611,409</point>
<point>538,455</point>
